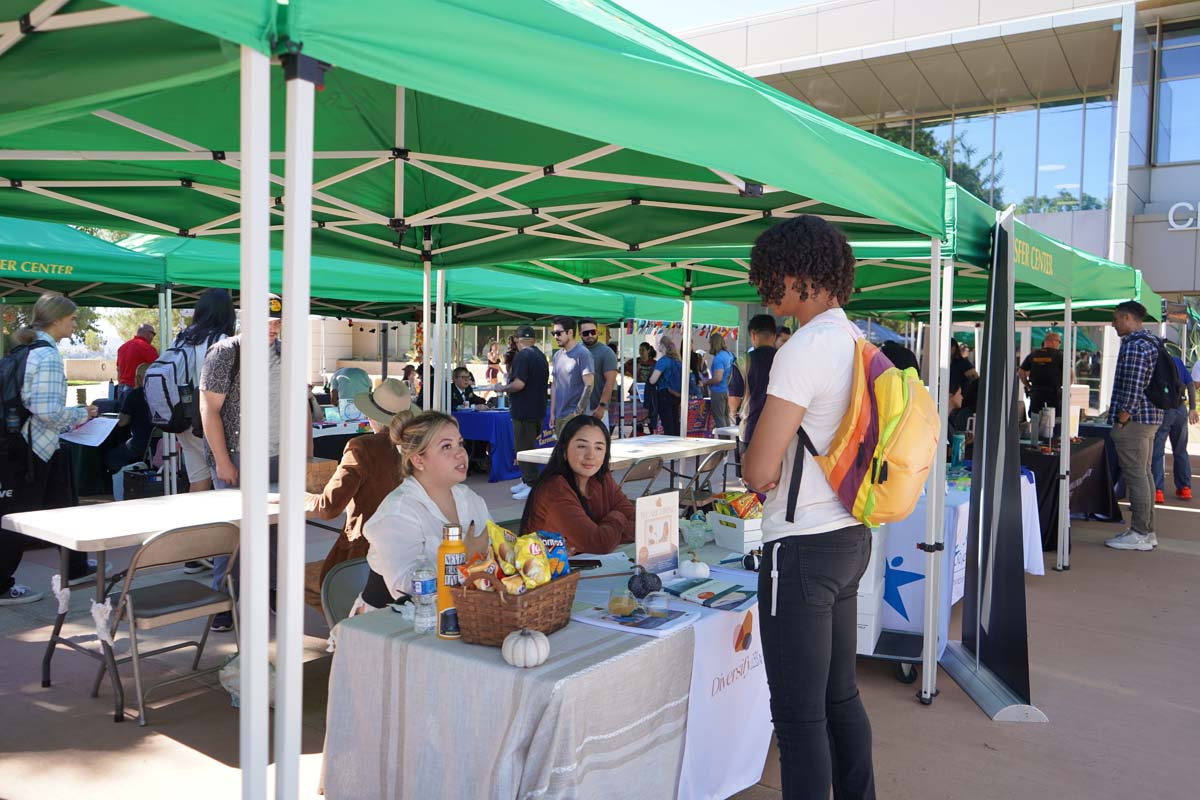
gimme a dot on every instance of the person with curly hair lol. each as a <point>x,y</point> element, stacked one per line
<point>814,551</point>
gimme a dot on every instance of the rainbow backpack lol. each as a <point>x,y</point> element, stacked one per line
<point>880,456</point>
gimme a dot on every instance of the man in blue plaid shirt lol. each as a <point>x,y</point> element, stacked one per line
<point>1135,421</point>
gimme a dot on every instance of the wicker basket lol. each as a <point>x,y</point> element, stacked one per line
<point>487,617</point>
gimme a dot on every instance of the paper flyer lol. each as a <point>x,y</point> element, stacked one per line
<point>656,532</point>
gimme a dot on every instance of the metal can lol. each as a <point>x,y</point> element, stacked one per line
<point>958,448</point>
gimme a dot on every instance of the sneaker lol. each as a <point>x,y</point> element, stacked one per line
<point>18,594</point>
<point>1152,538</point>
<point>517,487</point>
<point>1158,496</point>
<point>523,492</point>
<point>1184,494</point>
<point>192,567</point>
<point>222,622</point>
<point>1130,540</point>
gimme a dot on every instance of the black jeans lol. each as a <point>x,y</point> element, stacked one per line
<point>668,412</point>
<point>525,436</point>
<point>809,634</point>
<point>52,486</point>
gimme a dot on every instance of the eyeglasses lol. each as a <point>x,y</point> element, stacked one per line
<point>587,333</point>
<point>559,332</point>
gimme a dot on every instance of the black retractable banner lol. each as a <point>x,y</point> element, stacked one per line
<point>994,625</point>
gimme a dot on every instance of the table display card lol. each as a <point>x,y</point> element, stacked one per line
<point>656,532</point>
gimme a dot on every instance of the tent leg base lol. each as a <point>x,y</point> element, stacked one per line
<point>928,701</point>
<point>1062,569</point>
<point>990,693</point>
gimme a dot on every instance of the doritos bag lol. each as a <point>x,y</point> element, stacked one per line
<point>881,453</point>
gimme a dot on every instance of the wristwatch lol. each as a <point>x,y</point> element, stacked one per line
<point>602,405</point>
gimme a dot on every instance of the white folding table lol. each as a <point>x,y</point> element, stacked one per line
<point>108,526</point>
<point>623,452</point>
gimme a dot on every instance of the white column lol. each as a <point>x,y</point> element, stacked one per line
<point>440,400</point>
<point>941,307</point>
<point>302,73</point>
<point>685,353</point>
<point>254,553</point>
<point>1120,212</point>
<point>1064,457</point>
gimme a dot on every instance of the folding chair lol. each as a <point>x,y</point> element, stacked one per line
<point>159,604</point>
<point>644,469</point>
<point>699,492</point>
<point>341,586</point>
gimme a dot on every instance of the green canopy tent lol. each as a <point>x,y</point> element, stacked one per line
<point>492,153</point>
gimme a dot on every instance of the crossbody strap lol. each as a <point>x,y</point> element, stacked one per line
<point>804,444</point>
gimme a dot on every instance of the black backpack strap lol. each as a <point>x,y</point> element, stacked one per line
<point>804,444</point>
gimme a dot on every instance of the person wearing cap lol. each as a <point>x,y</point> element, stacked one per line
<point>1042,374</point>
<point>369,469</point>
<point>220,411</point>
<point>527,381</point>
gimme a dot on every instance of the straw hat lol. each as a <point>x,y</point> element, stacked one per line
<point>387,399</point>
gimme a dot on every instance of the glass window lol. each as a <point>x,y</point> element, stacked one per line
<point>1177,105</point>
<point>1143,77</point>
<point>973,154</point>
<point>1099,133</point>
<point>898,132</point>
<point>1060,136</point>
<point>935,139</point>
<point>1016,153</point>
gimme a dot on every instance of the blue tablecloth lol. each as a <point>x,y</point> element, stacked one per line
<point>495,428</point>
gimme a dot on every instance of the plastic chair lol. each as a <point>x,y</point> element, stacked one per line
<point>699,492</point>
<point>159,604</point>
<point>342,585</point>
<point>644,469</point>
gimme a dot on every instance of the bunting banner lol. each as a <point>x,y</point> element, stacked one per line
<point>657,327</point>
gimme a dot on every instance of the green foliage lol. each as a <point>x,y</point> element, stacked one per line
<point>1063,201</point>
<point>15,317</point>
<point>975,174</point>
<point>128,320</point>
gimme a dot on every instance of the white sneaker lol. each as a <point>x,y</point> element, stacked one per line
<point>193,567</point>
<point>1130,540</point>
<point>1153,539</point>
<point>523,492</point>
<point>19,594</point>
<point>516,488</point>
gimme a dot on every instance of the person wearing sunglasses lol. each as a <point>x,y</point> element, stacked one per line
<point>604,363</point>
<point>571,367</point>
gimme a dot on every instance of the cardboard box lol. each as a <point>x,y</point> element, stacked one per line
<point>870,595</point>
<point>735,534</point>
<point>319,471</point>
<point>868,633</point>
<point>875,567</point>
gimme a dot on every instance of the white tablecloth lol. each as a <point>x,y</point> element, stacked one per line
<point>415,716</point>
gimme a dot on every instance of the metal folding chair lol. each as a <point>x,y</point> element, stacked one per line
<point>698,491</point>
<point>158,604</point>
<point>644,469</point>
<point>342,584</point>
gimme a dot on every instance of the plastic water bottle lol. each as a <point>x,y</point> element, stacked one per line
<point>424,594</point>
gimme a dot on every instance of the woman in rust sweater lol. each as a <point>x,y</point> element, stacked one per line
<point>576,494</point>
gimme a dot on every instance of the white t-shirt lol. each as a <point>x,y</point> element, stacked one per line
<point>814,369</point>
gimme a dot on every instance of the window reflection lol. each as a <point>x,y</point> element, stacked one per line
<point>1177,105</point>
<point>1016,156</point>
<point>935,139</point>
<point>1060,145</point>
<point>1099,133</point>
<point>973,154</point>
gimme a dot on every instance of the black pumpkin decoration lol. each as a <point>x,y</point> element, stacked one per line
<point>643,583</point>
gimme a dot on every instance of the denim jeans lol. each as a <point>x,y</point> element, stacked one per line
<point>809,631</point>
<point>1135,445</point>
<point>1174,427</point>
<point>221,563</point>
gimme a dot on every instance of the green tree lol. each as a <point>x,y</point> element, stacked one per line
<point>979,175</point>
<point>1063,201</point>
<point>106,234</point>
<point>128,320</point>
<point>15,317</point>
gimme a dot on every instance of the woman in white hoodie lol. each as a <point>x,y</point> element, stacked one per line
<point>433,466</point>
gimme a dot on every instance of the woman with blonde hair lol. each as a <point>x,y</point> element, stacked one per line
<point>433,466</point>
<point>718,380</point>
<point>667,381</point>
<point>41,417</point>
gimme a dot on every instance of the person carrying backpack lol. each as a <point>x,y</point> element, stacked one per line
<point>35,474</point>
<point>1135,417</point>
<point>812,558</point>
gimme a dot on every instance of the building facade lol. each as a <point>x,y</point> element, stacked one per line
<point>1084,114</point>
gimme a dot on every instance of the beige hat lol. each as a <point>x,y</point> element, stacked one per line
<point>387,399</point>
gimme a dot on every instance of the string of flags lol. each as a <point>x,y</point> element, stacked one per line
<point>654,327</point>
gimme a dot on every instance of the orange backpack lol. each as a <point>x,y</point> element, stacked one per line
<point>880,456</point>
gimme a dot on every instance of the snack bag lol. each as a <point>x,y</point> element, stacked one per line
<point>532,564</point>
<point>721,504</point>
<point>471,574</point>
<point>556,551</point>
<point>504,546</point>
<point>514,584</point>
<point>746,506</point>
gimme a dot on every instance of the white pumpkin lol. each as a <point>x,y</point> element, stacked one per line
<point>694,568</point>
<point>525,648</point>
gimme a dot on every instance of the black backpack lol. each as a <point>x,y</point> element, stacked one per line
<point>1165,390</point>
<point>16,456</point>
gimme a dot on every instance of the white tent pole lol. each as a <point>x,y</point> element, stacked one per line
<point>941,299</point>
<point>621,379</point>
<point>254,553</point>
<point>1064,456</point>
<point>303,73</point>
<point>170,446</point>
<point>920,351</point>
<point>685,353</point>
<point>440,400</point>
<point>634,398</point>
<point>163,317</point>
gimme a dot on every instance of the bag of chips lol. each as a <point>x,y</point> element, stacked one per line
<point>746,505</point>
<point>556,551</point>
<point>532,564</point>
<point>504,547</point>
<point>472,573</point>
<point>514,584</point>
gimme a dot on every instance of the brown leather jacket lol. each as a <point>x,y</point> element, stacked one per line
<point>368,471</point>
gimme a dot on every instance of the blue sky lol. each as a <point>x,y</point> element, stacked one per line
<point>674,15</point>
